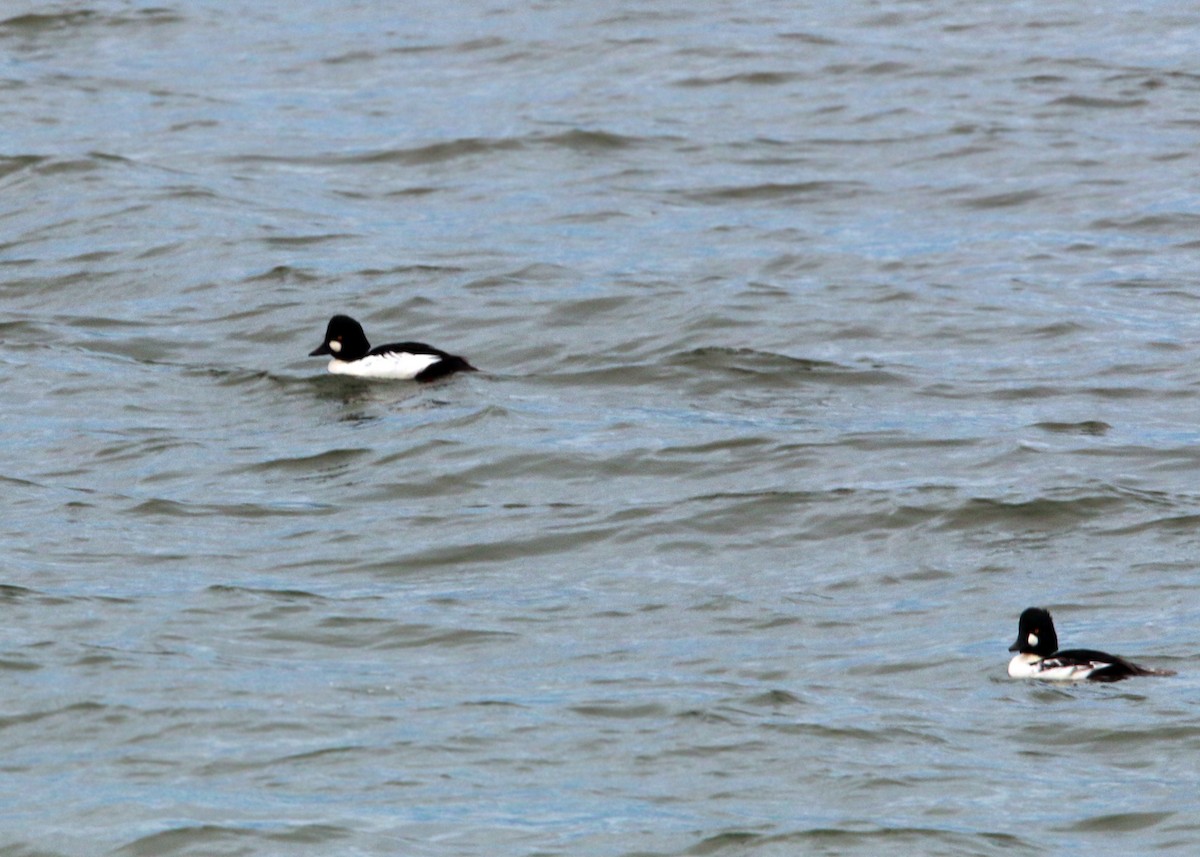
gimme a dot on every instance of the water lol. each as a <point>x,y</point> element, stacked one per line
<point>818,342</point>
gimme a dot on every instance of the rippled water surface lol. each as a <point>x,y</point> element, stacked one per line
<point>818,341</point>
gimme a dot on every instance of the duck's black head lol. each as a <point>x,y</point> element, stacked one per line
<point>1035,633</point>
<point>344,339</point>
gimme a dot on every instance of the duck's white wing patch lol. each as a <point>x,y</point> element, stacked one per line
<point>1053,669</point>
<point>394,365</point>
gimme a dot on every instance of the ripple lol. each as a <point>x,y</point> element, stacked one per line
<point>608,711</point>
<point>163,507</point>
<point>1121,822</point>
<point>751,78</point>
<point>806,191</point>
<point>1097,103</point>
<point>220,838</point>
<point>768,367</point>
<point>1091,428</point>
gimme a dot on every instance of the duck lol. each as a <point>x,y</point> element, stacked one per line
<point>351,354</point>
<point>1038,655</point>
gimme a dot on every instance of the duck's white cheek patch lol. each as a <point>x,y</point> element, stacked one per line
<point>335,346</point>
<point>1032,639</point>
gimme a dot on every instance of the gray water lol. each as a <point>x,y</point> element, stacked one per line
<point>818,341</point>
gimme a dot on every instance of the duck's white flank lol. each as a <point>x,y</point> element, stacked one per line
<point>1028,665</point>
<point>397,365</point>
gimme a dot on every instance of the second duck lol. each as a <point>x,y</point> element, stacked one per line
<point>353,355</point>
